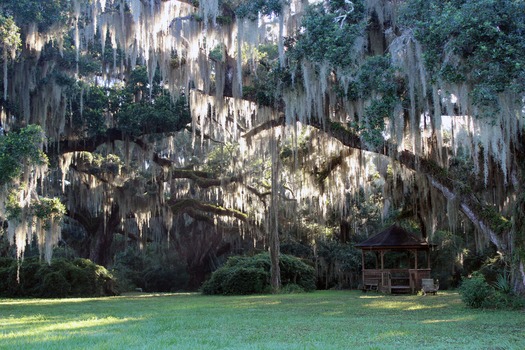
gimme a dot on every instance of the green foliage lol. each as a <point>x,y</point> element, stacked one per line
<point>376,78</point>
<point>10,40</point>
<point>220,158</point>
<point>217,53</point>
<point>48,208</point>
<point>376,75</point>
<point>502,300</point>
<point>157,116</point>
<point>68,59</point>
<point>475,291</point>
<point>502,283</point>
<point>268,78</point>
<point>485,36</point>
<point>244,280</point>
<point>336,261</point>
<point>498,222</point>
<point>62,278</point>
<point>18,149</point>
<point>325,38</point>
<point>445,258</point>
<point>153,270</point>
<point>96,163</point>
<point>12,204</point>
<point>252,8</point>
<point>251,275</point>
<point>43,13</point>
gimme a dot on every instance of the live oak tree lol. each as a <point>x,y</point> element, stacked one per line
<point>213,126</point>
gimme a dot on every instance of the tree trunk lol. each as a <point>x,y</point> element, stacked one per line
<point>275,272</point>
<point>101,242</point>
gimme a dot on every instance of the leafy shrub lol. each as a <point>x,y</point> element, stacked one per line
<point>62,278</point>
<point>249,275</point>
<point>475,291</point>
<point>214,284</point>
<point>294,270</point>
<point>245,280</point>
<point>502,283</point>
<point>501,300</point>
<point>55,285</point>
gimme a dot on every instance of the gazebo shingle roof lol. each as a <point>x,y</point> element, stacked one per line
<point>393,237</point>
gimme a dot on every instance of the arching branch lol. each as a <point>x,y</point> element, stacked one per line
<point>436,175</point>
<point>193,207</point>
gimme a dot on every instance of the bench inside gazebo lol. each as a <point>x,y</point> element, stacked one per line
<point>394,261</point>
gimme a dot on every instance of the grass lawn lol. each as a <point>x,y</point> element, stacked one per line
<point>319,320</point>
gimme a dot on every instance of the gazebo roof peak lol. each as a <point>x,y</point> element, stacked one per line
<point>393,237</point>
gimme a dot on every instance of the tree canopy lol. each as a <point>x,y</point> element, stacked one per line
<point>218,127</point>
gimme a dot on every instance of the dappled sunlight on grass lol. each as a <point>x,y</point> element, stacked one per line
<point>423,307</point>
<point>137,295</point>
<point>49,301</point>
<point>458,319</point>
<point>154,295</point>
<point>409,302</point>
<point>371,297</point>
<point>40,325</point>
<point>401,305</point>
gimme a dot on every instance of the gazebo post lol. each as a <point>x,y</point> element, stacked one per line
<point>415,258</point>
<point>413,283</point>
<point>363,266</point>
<point>382,267</point>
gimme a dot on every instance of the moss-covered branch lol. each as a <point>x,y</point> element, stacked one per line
<point>496,228</point>
<point>194,207</point>
<point>204,179</point>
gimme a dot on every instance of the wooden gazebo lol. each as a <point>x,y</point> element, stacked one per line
<point>400,260</point>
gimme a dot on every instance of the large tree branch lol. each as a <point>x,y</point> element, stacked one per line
<point>179,206</point>
<point>204,179</point>
<point>436,175</point>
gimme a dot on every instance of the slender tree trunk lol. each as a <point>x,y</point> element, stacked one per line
<point>517,245</point>
<point>274,218</point>
<point>5,74</point>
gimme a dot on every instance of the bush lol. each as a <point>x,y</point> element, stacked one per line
<point>55,285</point>
<point>500,300</point>
<point>475,291</point>
<point>62,278</point>
<point>295,271</point>
<point>251,275</point>
<point>245,280</point>
<point>214,284</point>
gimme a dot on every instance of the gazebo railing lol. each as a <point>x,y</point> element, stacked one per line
<point>388,280</point>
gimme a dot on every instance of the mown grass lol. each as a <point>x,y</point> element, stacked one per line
<point>319,320</point>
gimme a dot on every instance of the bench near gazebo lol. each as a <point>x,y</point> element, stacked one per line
<point>394,261</point>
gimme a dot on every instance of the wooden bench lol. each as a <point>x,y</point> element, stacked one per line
<point>429,286</point>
